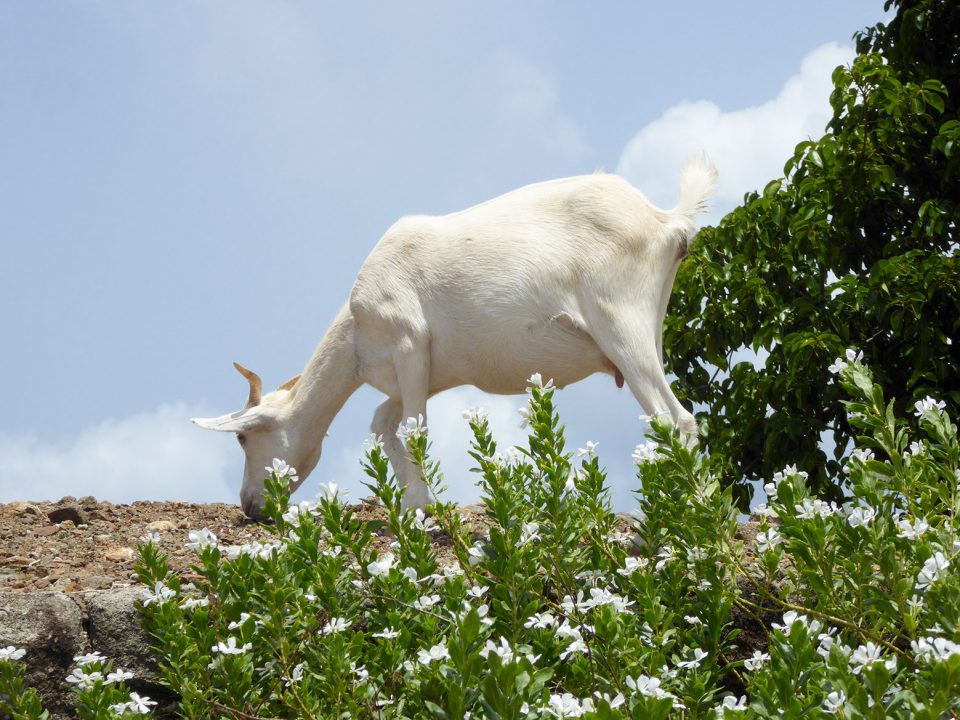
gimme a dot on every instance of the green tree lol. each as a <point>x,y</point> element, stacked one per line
<point>855,247</point>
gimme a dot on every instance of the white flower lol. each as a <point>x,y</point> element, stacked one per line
<point>475,552</point>
<point>631,565</point>
<point>137,704</point>
<point>536,380</point>
<point>934,649</point>
<point>11,653</point>
<point>411,428</point>
<point>199,539</point>
<point>335,625</point>
<point>82,679</point>
<point>88,659</point>
<point>437,652</point>
<point>756,661</point>
<point>244,616</point>
<point>768,540</point>
<point>694,662</point>
<point>564,705</point>
<point>648,686</point>
<point>930,572</point>
<point>838,366</point>
<point>373,441</point>
<point>859,455</point>
<point>282,470</point>
<point>503,650</point>
<point>304,507</point>
<point>810,509</point>
<point>425,602</point>
<point>382,565</point>
<point>477,591</point>
<point>911,531</point>
<point>388,634</point>
<point>867,655</point>
<point>296,675</point>
<point>928,404</point>
<point>693,619</point>
<point>853,355</point>
<point>645,452</point>
<point>732,703</point>
<point>590,450</point>
<point>861,516</point>
<point>161,593</point>
<point>361,672</point>
<point>540,621</point>
<point>525,414</point>
<point>332,492</point>
<point>475,415</point>
<point>529,532</point>
<point>118,676</point>
<point>834,701</point>
<point>230,647</point>
<point>151,536</point>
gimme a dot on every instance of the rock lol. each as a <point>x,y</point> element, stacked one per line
<point>49,530</point>
<point>49,626</point>
<point>161,526</point>
<point>96,582</point>
<point>24,508</point>
<point>68,512</point>
<point>119,554</point>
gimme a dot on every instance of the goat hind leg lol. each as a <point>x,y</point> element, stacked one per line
<point>412,365</point>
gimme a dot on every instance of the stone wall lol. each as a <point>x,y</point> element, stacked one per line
<point>54,627</point>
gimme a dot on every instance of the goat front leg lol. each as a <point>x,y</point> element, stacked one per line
<point>628,337</point>
<point>412,365</point>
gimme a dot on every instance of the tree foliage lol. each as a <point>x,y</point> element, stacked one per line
<point>856,246</point>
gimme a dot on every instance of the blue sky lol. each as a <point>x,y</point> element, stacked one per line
<point>184,184</point>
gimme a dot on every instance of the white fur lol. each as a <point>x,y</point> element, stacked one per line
<point>566,278</point>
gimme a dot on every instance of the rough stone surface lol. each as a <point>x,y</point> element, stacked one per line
<point>50,627</point>
<point>73,513</point>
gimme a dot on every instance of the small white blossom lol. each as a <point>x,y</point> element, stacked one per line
<point>929,404</point>
<point>137,704</point>
<point>382,565</point>
<point>536,380</point>
<point>83,679</point>
<point>151,536</point>
<point>861,516</point>
<point>11,653</point>
<point>694,662</point>
<point>117,676</point>
<point>475,415</point>
<point>423,522</point>
<point>282,470</point>
<point>88,659</point>
<point>930,572</point>
<point>839,365</point>
<point>373,441</point>
<point>859,455</point>
<point>160,594</point>
<point>230,647</point>
<point>911,531</point>
<point>198,539</point>
<point>563,705</point>
<point>425,602</point>
<point>756,661</point>
<point>335,625</point>
<point>631,565</point>
<point>813,508</point>
<point>835,701</point>
<point>867,655</point>
<point>853,355</point>
<point>332,492</point>
<point>529,532</point>
<point>388,634</point>
<point>693,620</point>
<point>768,540</point>
<point>525,415</point>
<point>934,649</point>
<point>437,652</point>
<point>194,602</point>
<point>648,686</point>
<point>411,428</point>
<point>540,621</point>
<point>733,704</point>
<point>590,450</point>
<point>645,452</point>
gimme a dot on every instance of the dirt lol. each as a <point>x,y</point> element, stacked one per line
<point>74,545</point>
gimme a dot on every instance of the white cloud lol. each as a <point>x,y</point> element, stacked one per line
<point>157,455</point>
<point>749,146</point>
<point>450,438</point>
<point>526,108</point>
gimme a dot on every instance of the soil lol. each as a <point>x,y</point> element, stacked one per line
<point>74,545</point>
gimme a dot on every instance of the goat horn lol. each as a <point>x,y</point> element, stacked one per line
<point>255,384</point>
<point>288,385</point>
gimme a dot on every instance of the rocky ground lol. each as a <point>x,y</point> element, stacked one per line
<point>75,545</point>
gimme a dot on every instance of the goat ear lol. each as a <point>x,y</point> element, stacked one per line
<point>288,385</point>
<point>232,422</point>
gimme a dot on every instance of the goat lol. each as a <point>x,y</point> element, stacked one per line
<point>567,278</point>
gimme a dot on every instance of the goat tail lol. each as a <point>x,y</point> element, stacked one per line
<point>697,182</point>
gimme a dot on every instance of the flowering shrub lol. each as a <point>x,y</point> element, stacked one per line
<point>561,609</point>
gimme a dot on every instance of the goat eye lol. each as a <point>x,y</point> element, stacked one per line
<point>241,438</point>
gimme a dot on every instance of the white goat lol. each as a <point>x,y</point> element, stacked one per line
<point>567,278</point>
